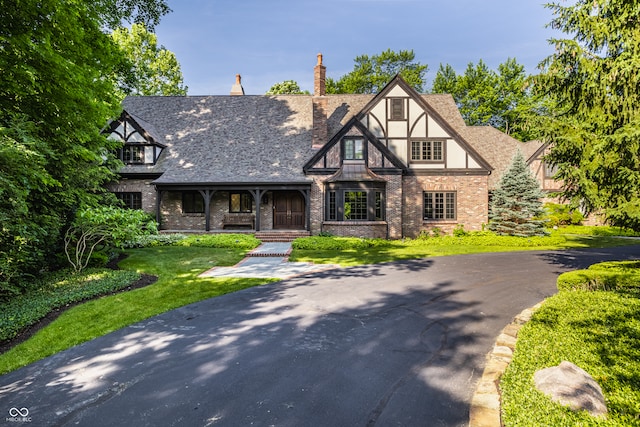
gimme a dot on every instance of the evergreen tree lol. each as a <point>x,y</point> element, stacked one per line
<point>517,203</point>
<point>594,78</point>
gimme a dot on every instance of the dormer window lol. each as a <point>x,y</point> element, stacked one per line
<point>138,147</point>
<point>352,149</point>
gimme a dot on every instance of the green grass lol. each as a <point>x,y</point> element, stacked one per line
<point>348,251</point>
<point>177,260</point>
<point>177,269</point>
<point>594,328</point>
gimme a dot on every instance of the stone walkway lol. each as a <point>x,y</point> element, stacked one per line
<point>269,260</point>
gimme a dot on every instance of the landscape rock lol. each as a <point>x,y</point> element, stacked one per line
<point>571,386</point>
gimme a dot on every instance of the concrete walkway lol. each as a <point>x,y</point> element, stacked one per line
<point>268,260</point>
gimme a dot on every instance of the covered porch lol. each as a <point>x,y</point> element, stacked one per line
<point>233,208</point>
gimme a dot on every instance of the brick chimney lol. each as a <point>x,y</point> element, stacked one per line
<point>320,130</point>
<point>237,88</point>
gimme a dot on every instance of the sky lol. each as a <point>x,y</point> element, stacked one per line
<point>270,41</point>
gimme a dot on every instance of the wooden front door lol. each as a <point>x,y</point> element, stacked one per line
<point>288,210</point>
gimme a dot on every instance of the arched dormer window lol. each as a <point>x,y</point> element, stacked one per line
<point>138,145</point>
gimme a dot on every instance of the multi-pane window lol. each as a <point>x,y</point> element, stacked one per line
<point>355,205</point>
<point>132,154</point>
<point>439,205</point>
<point>378,206</point>
<point>137,147</point>
<point>192,202</point>
<point>132,200</point>
<point>331,214</point>
<point>353,148</point>
<point>426,151</point>
<point>240,202</point>
<point>349,204</point>
<point>397,109</point>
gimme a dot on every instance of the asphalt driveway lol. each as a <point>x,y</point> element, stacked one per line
<point>401,343</point>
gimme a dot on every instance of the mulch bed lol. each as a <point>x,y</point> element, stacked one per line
<point>29,331</point>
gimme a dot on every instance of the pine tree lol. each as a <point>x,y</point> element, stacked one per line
<point>516,204</point>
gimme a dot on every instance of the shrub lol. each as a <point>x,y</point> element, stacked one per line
<point>337,243</point>
<point>55,291</point>
<point>103,226</point>
<point>236,241</point>
<point>607,276</point>
<point>558,215</point>
<point>153,240</point>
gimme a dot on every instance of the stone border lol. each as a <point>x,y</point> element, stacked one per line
<point>485,403</point>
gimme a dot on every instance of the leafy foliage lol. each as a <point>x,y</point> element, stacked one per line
<point>109,226</point>
<point>501,99</point>
<point>557,215</point>
<point>154,69</point>
<point>516,203</point>
<point>598,331</point>
<point>55,291</point>
<point>371,74</point>
<point>287,87</point>
<point>57,73</point>
<point>594,79</point>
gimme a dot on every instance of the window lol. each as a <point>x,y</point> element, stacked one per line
<point>331,214</point>
<point>349,204</point>
<point>427,151</point>
<point>240,202</point>
<point>353,149</point>
<point>355,205</point>
<point>132,154</point>
<point>439,205</point>
<point>397,109</point>
<point>192,202</point>
<point>131,200</point>
<point>550,169</point>
<point>378,206</point>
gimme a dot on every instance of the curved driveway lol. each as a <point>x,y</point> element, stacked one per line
<point>402,343</point>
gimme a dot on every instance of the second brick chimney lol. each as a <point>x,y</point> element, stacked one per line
<point>320,130</point>
<point>237,88</point>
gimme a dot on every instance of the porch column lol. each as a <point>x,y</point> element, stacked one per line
<point>257,198</point>
<point>158,202</point>
<point>206,195</point>
<point>307,209</point>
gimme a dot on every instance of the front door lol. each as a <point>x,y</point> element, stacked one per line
<point>288,210</point>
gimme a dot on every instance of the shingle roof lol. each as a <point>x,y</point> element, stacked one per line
<point>268,139</point>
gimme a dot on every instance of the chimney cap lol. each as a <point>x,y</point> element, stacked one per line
<point>319,59</point>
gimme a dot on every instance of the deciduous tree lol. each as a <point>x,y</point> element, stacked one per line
<point>502,99</point>
<point>154,69</point>
<point>371,74</point>
<point>287,87</point>
<point>57,70</point>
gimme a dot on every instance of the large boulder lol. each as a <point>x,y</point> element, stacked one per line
<point>573,387</point>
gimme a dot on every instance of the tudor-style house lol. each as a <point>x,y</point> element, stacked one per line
<point>387,165</point>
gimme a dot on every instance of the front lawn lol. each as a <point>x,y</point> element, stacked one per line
<point>593,322</point>
<point>178,260</point>
<point>348,251</point>
<point>176,267</point>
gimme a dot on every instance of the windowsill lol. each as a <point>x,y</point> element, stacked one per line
<point>193,214</point>
<point>439,221</point>
<point>348,223</point>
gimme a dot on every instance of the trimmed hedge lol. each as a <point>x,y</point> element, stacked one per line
<point>57,291</point>
<point>606,276</point>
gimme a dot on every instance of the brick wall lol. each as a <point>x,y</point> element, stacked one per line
<point>143,186</point>
<point>471,198</point>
